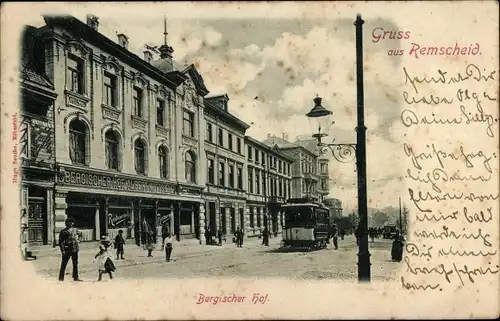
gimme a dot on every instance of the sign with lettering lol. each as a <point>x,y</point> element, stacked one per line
<point>114,182</point>
<point>117,219</point>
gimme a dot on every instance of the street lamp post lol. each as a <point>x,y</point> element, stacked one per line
<point>345,152</point>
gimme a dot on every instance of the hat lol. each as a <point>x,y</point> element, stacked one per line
<point>105,239</point>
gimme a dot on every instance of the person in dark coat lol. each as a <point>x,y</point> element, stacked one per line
<point>397,247</point>
<point>359,234</point>
<point>335,237</point>
<point>69,239</point>
<point>342,234</point>
<point>265,236</point>
<point>119,243</point>
<point>219,236</point>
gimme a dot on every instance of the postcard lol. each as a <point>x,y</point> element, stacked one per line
<point>250,160</point>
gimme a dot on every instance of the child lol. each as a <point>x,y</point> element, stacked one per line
<point>104,262</point>
<point>119,242</point>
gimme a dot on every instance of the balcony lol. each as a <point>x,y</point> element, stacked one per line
<point>138,122</point>
<point>162,131</point>
<point>76,100</point>
<point>311,176</point>
<point>110,113</point>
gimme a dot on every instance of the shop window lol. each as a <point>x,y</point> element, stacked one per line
<point>163,159</point>
<point>78,133</point>
<point>112,152</point>
<point>140,157</point>
<point>190,166</point>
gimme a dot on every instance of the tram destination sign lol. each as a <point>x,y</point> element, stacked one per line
<point>113,182</point>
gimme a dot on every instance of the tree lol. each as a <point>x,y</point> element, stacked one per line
<point>380,218</point>
<point>353,220</point>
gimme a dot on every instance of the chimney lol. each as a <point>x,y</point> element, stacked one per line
<point>148,56</point>
<point>93,22</point>
<point>123,40</point>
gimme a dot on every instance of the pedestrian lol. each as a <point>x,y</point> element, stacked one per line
<point>397,247</point>
<point>239,237</point>
<point>168,247</point>
<point>335,237</point>
<point>359,234</point>
<point>146,233</point>
<point>104,261</point>
<point>242,236</point>
<point>150,247</point>
<point>69,239</point>
<point>219,236</point>
<point>207,235</point>
<point>265,237</point>
<point>342,234</point>
<point>119,243</point>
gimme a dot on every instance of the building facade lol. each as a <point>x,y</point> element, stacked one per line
<point>225,192</point>
<point>269,186</point>
<point>304,169</point>
<point>36,143</point>
<point>129,136</point>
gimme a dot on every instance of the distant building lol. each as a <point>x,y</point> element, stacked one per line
<point>305,176</point>
<point>335,206</point>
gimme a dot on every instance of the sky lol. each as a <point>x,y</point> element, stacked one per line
<point>286,63</point>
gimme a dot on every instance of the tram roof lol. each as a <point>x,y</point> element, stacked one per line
<point>302,204</point>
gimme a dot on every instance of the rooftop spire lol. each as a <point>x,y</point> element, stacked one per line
<point>165,33</point>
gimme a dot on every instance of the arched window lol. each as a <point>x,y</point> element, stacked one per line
<point>140,157</point>
<point>77,141</point>
<point>112,156</point>
<point>190,165</point>
<point>163,158</point>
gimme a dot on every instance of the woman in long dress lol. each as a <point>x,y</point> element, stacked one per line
<point>104,258</point>
<point>397,247</point>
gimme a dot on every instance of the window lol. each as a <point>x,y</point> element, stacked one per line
<point>221,137</point>
<point>289,170</point>
<point>209,132</point>
<point>238,145</point>
<point>251,217</point>
<point>263,159</point>
<point>271,186</point>
<point>289,190</point>
<point>231,175</point>
<point>258,217</point>
<point>230,141</point>
<point>162,157</point>
<point>250,152</point>
<point>324,184</point>
<point>77,142</point>
<point>222,179</point>
<point>211,173</point>
<point>324,168</point>
<point>256,156</point>
<point>257,182</point>
<point>264,191</point>
<point>275,186</point>
<point>110,94</point>
<point>274,162</point>
<point>75,74</point>
<point>250,180</point>
<point>190,166</point>
<point>160,112</point>
<point>137,98</point>
<point>112,149</point>
<point>280,187</point>
<point>140,157</point>
<point>279,166</point>
<point>188,124</point>
<point>239,177</point>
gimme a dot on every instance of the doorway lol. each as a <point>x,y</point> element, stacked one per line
<point>233,220</point>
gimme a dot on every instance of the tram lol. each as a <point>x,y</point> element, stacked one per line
<point>306,224</point>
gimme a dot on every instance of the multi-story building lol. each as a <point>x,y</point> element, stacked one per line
<point>269,186</point>
<point>36,142</point>
<point>304,171</point>
<point>335,206</point>
<point>225,167</point>
<point>322,166</point>
<point>129,134</point>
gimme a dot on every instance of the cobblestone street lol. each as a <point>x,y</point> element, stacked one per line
<point>253,260</point>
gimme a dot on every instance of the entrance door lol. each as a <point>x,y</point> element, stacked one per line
<point>242,219</point>
<point>37,221</point>
<point>223,220</point>
<point>233,220</point>
<point>213,219</point>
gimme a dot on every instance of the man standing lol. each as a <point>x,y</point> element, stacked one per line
<point>335,237</point>
<point>69,240</point>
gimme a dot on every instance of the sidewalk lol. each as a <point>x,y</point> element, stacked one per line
<point>49,259</point>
